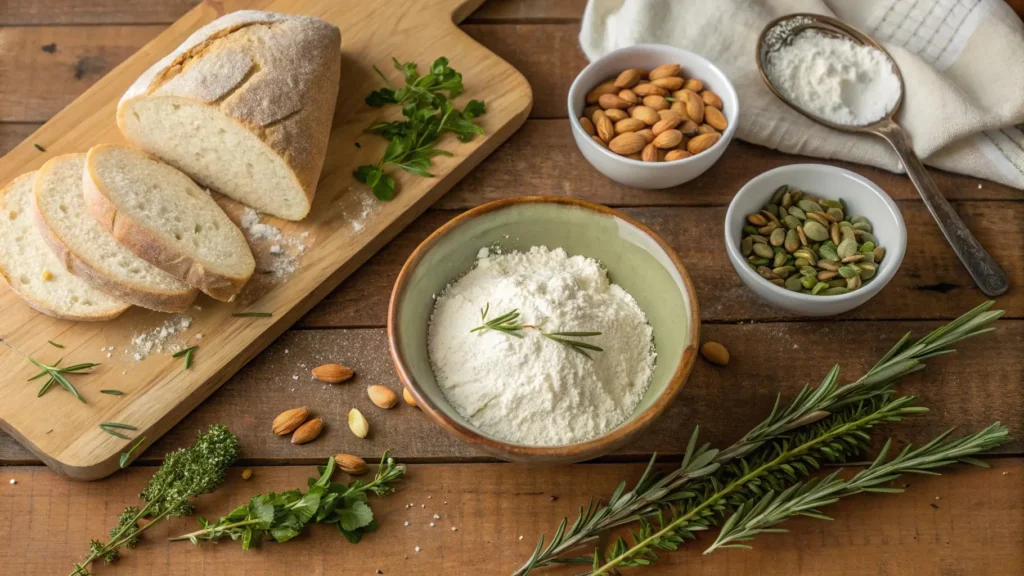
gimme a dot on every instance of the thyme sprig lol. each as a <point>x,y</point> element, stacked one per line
<point>655,493</point>
<point>56,374</point>
<point>508,323</point>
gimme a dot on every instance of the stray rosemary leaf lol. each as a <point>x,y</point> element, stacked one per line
<point>187,353</point>
<point>113,432</point>
<point>54,344</point>
<point>112,392</point>
<point>126,456</point>
<point>118,425</point>
<point>252,314</point>
<point>38,147</point>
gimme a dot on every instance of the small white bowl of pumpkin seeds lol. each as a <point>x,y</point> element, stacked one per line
<point>813,239</point>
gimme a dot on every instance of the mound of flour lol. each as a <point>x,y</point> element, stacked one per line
<point>532,390</point>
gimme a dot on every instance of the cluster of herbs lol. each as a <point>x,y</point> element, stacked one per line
<point>765,477</point>
<point>185,474</point>
<point>429,113</point>
<point>508,323</point>
<point>283,516</point>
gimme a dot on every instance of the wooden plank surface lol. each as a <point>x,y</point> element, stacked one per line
<point>965,522</point>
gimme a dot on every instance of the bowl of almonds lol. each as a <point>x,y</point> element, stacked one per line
<point>652,116</point>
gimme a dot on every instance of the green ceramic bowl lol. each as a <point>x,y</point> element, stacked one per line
<point>636,259</point>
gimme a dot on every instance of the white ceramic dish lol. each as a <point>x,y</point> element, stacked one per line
<point>651,174</point>
<point>862,197</point>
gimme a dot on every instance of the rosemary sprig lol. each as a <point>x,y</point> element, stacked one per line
<point>187,353</point>
<point>508,323</point>
<point>252,314</point>
<point>653,492</point>
<point>804,499</point>
<point>56,375</point>
<point>567,339</point>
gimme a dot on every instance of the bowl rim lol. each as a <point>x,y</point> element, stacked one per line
<point>727,135</point>
<point>580,450</point>
<point>871,289</point>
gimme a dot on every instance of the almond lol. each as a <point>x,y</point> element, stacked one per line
<point>711,99</point>
<point>715,118</point>
<point>628,143</point>
<point>596,115</point>
<point>600,142</point>
<point>308,431</point>
<point>678,108</point>
<point>629,96</point>
<point>656,102</point>
<point>614,114</point>
<point>629,125</point>
<point>649,154</point>
<point>693,85</point>
<point>287,421</point>
<point>664,71</point>
<point>669,113</point>
<point>676,155</point>
<point>588,112</point>
<point>646,114</point>
<point>629,111</point>
<point>648,89</point>
<point>382,396</point>
<point>607,101</point>
<point>634,156</point>
<point>332,373</point>
<point>689,128</point>
<point>601,89</point>
<point>352,465</point>
<point>647,133</point>
<point>628,78</point>
<point>715,353</point>
<point>706,129</point>
<point>670,83</point>
<point>694,105</point>
<point>668,139</point>
<point>408,397</point>
<point>587,125</point>
<point>605,128</point>
<point>357,423</point>
<point>702,142</point>
<point>666,124</point>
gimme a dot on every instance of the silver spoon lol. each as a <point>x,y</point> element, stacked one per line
<point>986,273</point>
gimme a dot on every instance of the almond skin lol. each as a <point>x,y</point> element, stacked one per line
<point>615,114</point>
<point>669,113</point>
<point>600,142</point>
<point>601,89</point>
<point>694,105</point>
<point>666,124</point>
<point>715,118</point>
<point>287,421</point>
<point>656,102</point>
<point>702,142</point>
<point>664,71</point>
<point>629,125</point>
<point>689,128</point>
<point>408,397</point>
<point>629,96</point>
<point>628,143</point>
<point>670,83</point>
<point>647,133</point>
<point>693,85</point>
<point>676,155</point>
<point>648,89</point>
<point>646,114</point>
<point>607,101</point>
<point>711,99</point>
<point>333,373</point>
<point>628,78</point>
<point>706,129</point>
<point>715,353</point>
<point>668,139</point>
<point>351,465</point>
<point>308,431</point>
<point>649,153</point>
<point>587,125</point>
<point>605,128</point>
<point>382,396</point>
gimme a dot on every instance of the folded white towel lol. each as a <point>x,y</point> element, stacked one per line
<point>962,62</point>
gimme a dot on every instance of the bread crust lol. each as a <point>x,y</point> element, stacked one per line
<point>30,298</point>
<point>149,245</point>
<point>287,102</point>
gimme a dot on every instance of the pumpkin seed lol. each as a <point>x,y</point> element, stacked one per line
<point>879,253</point>
<point>808,282</point>
<point>787,200</point>
<point>778,282</point>
<point>748,229</point>
<point>836,213</point>
<point>797,213</point>
<point>815,230</point>
<point>809,206</point>
<point>746,246</point>
<point>794,283</point>
<point>767,229</point>
<point>827,264</point>
<point>792,240</point>
<point>801,262</point>
<point>828,251</point>
<point>866,247</point>
<point>762,250</point>
<point>808,271</point>
<point>771,217</point>
<point>779,193</point>
<point>783,271</point>
<point>772,209</point>
<point>778,237</point>
<point>826,275</point>
<point>867,270</point>
<point>790,221</point>
<point>854,258</point>
<point>796,194</point>
<point>766,273</point>
<point>864,226</point>
<point>836,282</point>
<point>802,235</point>
<point>756,220</point>
<point>837,204</point>
<point>865,236</point>
<point>847,272</point>
<point>758,261</point>
<point>780,259</point>
<point>819,288</point>
<point>835,291</point>
<point>854,283</point>
<point>758,239</point>
<point>847,247</point>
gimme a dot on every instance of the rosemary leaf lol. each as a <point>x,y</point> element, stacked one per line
<point>110,430</point>
<point>125,456</point>
<point>112,392</point>
<point>187,353</point>
<point>54,344</point>
<point>252,314</point>
<point>118,425</point>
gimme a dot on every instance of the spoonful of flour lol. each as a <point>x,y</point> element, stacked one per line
<point>527,388</point>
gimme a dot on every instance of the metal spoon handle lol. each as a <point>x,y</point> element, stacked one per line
<point>986,273</point>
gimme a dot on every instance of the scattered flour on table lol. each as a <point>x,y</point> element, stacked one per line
<point>162,337</point>
<point>276,253</point>
<point>532,390</point>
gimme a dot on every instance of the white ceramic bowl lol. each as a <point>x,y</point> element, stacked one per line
<point>651,174</point>
<point>862,198</point>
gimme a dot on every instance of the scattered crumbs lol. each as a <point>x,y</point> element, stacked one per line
<point>199,336</point>
<point>423,505</point>
<point>295,376</point>
<point>431,524</point>
<point>156,339</point>
<point>979,186</point>
<point>938,498</point>
<point>436,517</point>
<point>411,504</point>
<point>109,354</point>
<point>123,372</point>
<point>406,522</point>
<point>445,501</point>
<point>364,209</point>
<point>378,571</point>
<point>934,505</point>
<point>275,249</point>
<point>429,497</point>
<point>454,528</point>
<point>417,548</point>
<point>198,307</point>
<point>13,481</point>
<point>520,537</point>
<point>285,350</point>
<point>266,239</point>
<point>407,506</point>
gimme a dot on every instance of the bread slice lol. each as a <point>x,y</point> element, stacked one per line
<point>243,106</point>
<point>34,272</point>
<point>166,219</point>
<point>90,253</point>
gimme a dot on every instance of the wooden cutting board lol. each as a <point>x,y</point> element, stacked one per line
<point>345,227</point>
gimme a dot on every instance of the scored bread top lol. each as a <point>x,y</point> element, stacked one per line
<point>165,218</point>
<point>34,272</point>
<point>92,254</point>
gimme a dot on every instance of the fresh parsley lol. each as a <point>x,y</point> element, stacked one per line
<point>429,113</point>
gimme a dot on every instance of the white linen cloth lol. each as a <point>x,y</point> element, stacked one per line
<point>962,63</point>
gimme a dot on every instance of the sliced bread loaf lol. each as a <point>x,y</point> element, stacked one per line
<point>243,106</point>
<point>90,253</point>
<point>34,272</point>
<point>166,219</point>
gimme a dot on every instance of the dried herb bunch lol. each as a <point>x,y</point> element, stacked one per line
<point>759,481</point>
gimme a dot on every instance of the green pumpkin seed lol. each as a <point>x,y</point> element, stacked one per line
<point>866,247</point>
<point>847,233</point>
<point>780,259</point>
<point>808,282</point>
<point>848,271</point>
<point>772,209</point>
<point>828,264</point>
<point>758,261</point>
<point>826,275</point>
<point>806,254</point>
<point>829,253</point>
<point>835,291</point>
<point>790,221</point>
<point>847,247</point>
<point>868,257</point>
<point>746,246</point>
<point>836,282</point>
<point>865,226</point>
<point>763,250</point>
<point>794,283</point>
<point>808,271</point>
<point>778,282</point>
<point>767,228</point>
<point>854,258</point>
<point>758,239</point>
<point>809,206</point>
<point>865,236</point>
<point>801,262</point>
<point>802,236</point>
<point>879,253</point>
<point>766,272</point>
<point>779,193</point>
<point>748,229</point>
<point>815,231</point>
<point>792,240</point>
<point>756,220</point>
<point>845,224</point>
<point>787,200</point>
<point>858,220</point>
<point>831,204</point>
<point>797,213</point>
<point>778,237</point>
<point>854,283</point>
<point>819,288</point>
<point>833,233</point>
<point>783,271</point>
<point>817,217</point>
<point>867,270</point>
<point>835,212</point>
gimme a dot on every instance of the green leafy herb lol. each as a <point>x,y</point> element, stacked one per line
<point>54,344</point>
<point>38,147</point>
<point>252,314</point>
<point>187,353</point>
<point>111,428</point>
<point>508,323</point>
<point>830,423</point>
<point>112,392</point>
<point>185,474</point>
<point>283,516</point>
<point>126,456</point>
<point>429,113</point>
<point>56,375</point>
<point>567,339</point>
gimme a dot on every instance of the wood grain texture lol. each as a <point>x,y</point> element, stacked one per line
<point>163,392</point>
<point>969,389</point>
<point>967,521</point>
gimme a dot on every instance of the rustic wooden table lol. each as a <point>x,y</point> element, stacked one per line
<point>969,521</point>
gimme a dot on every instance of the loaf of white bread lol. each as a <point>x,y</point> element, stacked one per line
<point>243,106</point>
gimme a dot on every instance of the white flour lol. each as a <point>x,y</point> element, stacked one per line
<point>275,253</point>
<point>532,390</point>
<point>835,78</point>
<point>154,341</point>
